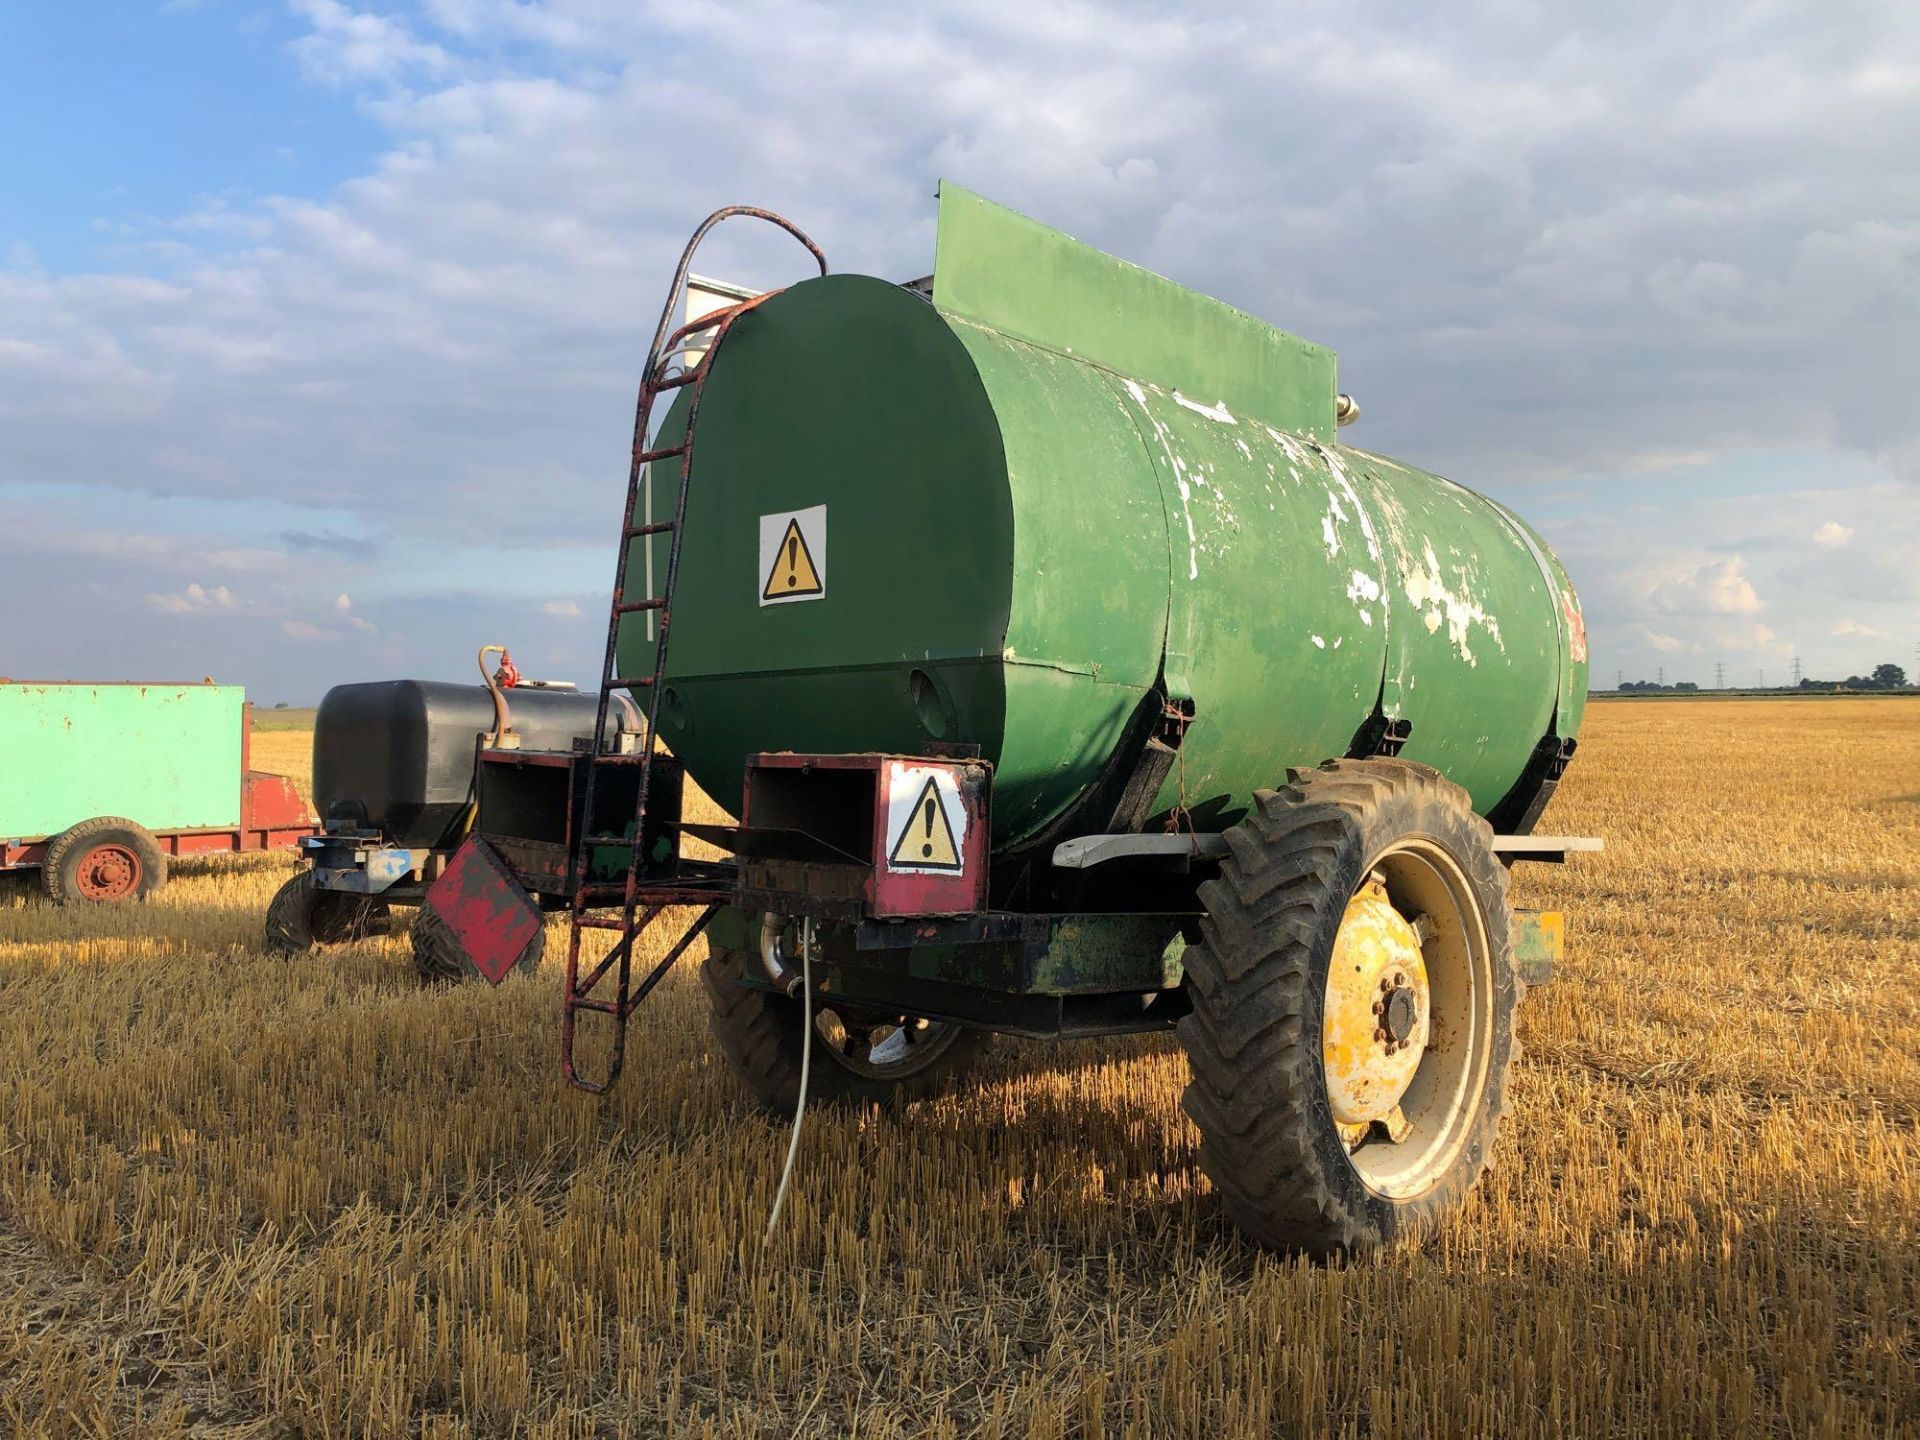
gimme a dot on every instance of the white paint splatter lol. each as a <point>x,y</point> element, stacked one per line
<point>1427,588</point>
<point>1319,642</point>
<point>1212,412</point>
<point>1165,437</point>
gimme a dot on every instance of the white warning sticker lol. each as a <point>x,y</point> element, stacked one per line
<point>793,556</point>
<point>926,823</point>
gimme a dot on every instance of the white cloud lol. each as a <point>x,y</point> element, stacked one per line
<point>1748,638</point>
<point>1833,535</point>
<point>1495,227</point>
<point>1845,628</point>
<point>348,45</point>
<point>1720,587</point>
<point>1665,644</point>
<point>194,600</point>
<point>306,630</point>
<point>343,603</point>
<point>565,608</point>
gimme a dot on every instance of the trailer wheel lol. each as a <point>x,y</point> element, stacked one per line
<point>858,1055</point>
<point>1352,1017</point>
<point>302,915</point>
<point>442,960</point>
<point>106,860</point>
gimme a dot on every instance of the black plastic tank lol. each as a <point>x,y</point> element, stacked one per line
<point>398,755</point>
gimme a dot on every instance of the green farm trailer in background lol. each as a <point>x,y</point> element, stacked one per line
<point>101,783</point>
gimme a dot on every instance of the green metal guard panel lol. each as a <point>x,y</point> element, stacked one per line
<point>1015,275</point>
<point>164,756</point>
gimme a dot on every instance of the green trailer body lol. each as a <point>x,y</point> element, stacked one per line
<point>1063,486</point>
<point>101,783</point>
<point>167,757</point>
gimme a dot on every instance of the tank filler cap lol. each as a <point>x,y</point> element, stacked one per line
<point>1346,409</point>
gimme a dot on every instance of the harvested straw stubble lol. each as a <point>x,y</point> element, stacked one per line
<point>246,1196</point>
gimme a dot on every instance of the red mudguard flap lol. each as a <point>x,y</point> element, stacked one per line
<point>486,909</point>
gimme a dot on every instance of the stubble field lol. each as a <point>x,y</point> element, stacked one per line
<point>241,1195</point>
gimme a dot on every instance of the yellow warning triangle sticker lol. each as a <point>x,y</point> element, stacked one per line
<point>793,571</point>
<point>926,840</point>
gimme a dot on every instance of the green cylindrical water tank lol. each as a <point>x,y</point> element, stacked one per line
<point>1018,544</point>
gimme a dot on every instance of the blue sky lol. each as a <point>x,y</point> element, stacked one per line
<point>146,112</point>
<point>302,303</point>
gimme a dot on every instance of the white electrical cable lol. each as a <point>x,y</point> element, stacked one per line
<point>806,1060</point>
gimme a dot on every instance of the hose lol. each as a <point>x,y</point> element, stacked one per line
<point>806,1061</point>
<point>502,721</point>
<point>772,959</point>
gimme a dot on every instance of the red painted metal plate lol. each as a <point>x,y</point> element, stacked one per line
<point>488,911</point>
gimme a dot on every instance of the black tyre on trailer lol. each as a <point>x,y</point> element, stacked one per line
<point>859,1055</point>
<point>302,915</point>
<point>441,959</point>
<point>106,861</point>
<point>1353,1000</point>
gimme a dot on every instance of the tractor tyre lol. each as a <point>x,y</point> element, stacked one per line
<point>104,861</point>
<point>759,1032</point>
<point>302,915</point>
<point>441,960</point>
<point>1353,997</point>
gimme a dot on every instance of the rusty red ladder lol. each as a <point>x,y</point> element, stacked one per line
<point>639,903</point>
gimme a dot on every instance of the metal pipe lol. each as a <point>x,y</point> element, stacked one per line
<point>502,720</point>
<point>772,960</point>
<point>1346,410</point>
<point>631,710</point>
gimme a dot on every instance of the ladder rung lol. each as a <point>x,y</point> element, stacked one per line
<point>605,893</point>
<point>639,757</point>
<point>629,607</point>
<point>674,382</point>
<point>630,682</point>
<point>659,527</point>
<point>647,457</point>
<point>606,840</point>
<point>583,1002</point>
<point>600,922</point>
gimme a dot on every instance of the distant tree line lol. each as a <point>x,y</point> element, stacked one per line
<point>1884,677</point>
